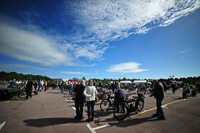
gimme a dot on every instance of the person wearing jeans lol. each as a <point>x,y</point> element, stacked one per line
<point>158,93</point>
<point>159,111</point>
<point>90,93</point>
<point>90,106</point>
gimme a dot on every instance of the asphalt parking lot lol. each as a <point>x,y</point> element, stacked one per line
<point>53,112</point>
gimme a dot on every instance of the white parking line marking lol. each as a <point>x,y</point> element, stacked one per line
<point>74,108</point>
<point>93,129</point>
<point>3,124</point>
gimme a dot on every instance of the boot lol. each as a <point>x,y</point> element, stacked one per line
<point>92,116</point>
<point>88,120</point>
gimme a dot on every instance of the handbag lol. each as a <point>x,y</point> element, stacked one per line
<point>96,99</point>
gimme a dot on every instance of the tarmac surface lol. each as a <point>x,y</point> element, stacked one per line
<point>52,112</point>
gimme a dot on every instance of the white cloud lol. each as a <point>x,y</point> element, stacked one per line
<point>102,21</point>
<point>89,51</point>
<point>94,24</point>
<point>31,46</point>
<point>129,67</point>
<point>74,73</point>
<point>185,51</point>
<point>105,20</point>
<point>20,67</point>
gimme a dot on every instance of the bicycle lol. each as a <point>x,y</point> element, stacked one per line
<point>122,109</point>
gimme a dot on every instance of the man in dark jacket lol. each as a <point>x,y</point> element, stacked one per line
<point>158,93</point>
<point>29,88</point>
<point>119,93</point>
<point>79,99</point>
<point>119,96</point>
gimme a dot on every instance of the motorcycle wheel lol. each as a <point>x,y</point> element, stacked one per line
<point>120,111</point>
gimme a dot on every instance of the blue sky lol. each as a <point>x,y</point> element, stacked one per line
<point>100,38</point>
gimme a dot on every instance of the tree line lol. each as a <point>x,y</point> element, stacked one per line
<point>19,76</point>
<point>184,79</point>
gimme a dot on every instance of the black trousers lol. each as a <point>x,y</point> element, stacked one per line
<point>28,92</point>
<point>45,88</point>
<point>79,108</point>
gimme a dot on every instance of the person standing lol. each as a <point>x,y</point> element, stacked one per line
<point>62,85</point>
<point>158,93</point>
<point>40,86</point>
<point>45,85</point>
<point>29,88</point>
<point>90,93</point>
<point>35,86</point>
<point>79,99</point>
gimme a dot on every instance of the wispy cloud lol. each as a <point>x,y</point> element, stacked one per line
<point>91,25</point>
<point>88,51</point>
<point>74,73</point>
<point>101,21</point>
<point>185,51</point>
<point>129,67</point>
<point>105,20</point>
<point>17,66</point>
<point>31,46</point>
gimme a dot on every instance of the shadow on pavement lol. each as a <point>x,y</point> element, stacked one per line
<point>128,122</point>
<point>135,121</point>
<point>99,114</point>
<point>43,122</point>
<point>2,98</point>
<point>12,98</point>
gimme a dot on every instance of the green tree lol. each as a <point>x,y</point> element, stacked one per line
<point>75,79</point>
<point>83,78</point>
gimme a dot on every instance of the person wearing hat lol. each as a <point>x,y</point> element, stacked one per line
<point>79,99</point>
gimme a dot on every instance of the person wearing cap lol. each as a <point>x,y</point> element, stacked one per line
<point>79,99</point>
<point>158,93</point>
<point>90,93</point>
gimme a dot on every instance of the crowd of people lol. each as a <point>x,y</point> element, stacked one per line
<point>87,91</point>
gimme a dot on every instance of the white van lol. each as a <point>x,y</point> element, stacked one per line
<point>137,82</point>
<point>125,84</point>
